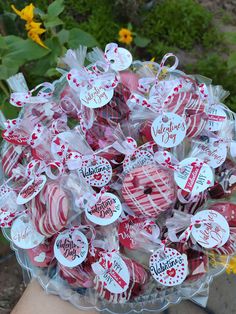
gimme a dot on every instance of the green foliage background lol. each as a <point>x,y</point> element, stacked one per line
<point>184,27</point>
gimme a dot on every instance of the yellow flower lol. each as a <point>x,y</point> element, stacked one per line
<point>34,29</point>
<point>26,14</point>
<point>231,268</point>
<point>125,36</point>
<point>34,33</point>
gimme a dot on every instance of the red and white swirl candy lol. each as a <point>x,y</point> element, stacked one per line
<point>50,209</point>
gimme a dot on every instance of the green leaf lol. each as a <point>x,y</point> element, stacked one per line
<point>129,26</point>
<point>55,8</point>
<point>79,37</point>
<point>6,71</point>
<point>63,36</point>
<point>50,60</point>
<point>22,50</point>
<point>9,111</point>
<point>141,41</point>
<point>3,45</point>
<point>53,22</point>
<point>232,61</point>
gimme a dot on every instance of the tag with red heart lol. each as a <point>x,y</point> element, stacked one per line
<point>168,267</point>
<point>194,175</point>
<point>97,171</point>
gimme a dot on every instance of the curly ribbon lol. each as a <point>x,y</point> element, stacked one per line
<point>63,155</point>
<point>86,78</point>
<point>9,210</point>
<point>21,98</point>
<point>11,125</point>
<point>103,62</point>
<point>146,82</point>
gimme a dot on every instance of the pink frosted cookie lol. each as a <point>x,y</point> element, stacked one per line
<point>149,190</point>
<point>138,278</point>
<point>50,209</point>
<point>42,255</point>
<point>79,276</point>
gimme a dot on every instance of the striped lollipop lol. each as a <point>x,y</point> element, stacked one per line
<point>50,209</point>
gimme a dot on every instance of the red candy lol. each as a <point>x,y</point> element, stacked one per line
<point>149,190</point>
<point>79,276</point>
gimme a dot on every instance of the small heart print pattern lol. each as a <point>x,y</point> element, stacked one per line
<point>97,171</point>
<point>168,267</point>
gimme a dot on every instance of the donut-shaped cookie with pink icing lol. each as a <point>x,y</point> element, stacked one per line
<point>149,190</point>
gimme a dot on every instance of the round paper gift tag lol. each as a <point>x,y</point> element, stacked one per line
<point>121,60</point>
<point>31,189</point>
<point>168,130</point>
<point>216,117</point>
<point>113,273</point>
<point>169,268</point>
<point>214,232</point>
<point>23,233</point>
<point>71,248</point>
<point>97,171</point>
<point>107,210</point>
<point>139,158</point>
<point>214,153</point>
<point>97,96</point>
<point>194,176</point>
